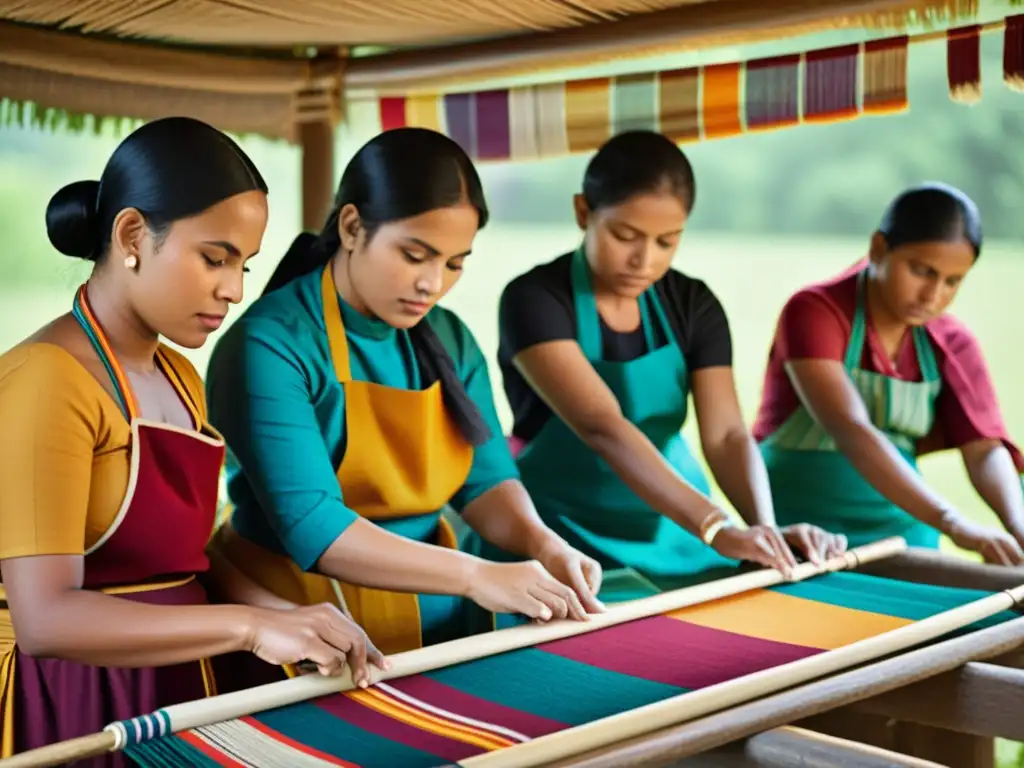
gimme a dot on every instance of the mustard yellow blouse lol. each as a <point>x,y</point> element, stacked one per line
<point>64,443</point>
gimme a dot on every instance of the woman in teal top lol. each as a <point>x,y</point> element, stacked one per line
<point>600,351</point>
<point>355,409</point>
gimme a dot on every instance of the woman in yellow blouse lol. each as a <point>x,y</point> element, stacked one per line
<point>108,468</point>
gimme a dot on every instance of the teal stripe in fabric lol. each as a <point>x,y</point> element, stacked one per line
<point>324,732</point>
<point>903,599</point>
<point>170,753</point>
<point>635,103</point>
<point>595,693</point>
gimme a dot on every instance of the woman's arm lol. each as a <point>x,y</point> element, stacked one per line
<point>825,389</point>
<point>728,447</point>
<point>229,585</point>
<point>996,479</point>
<point>260,400</point>
<point>54,617</point>
<point>562,376</point>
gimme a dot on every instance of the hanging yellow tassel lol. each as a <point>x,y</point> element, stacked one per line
<point>963,64</point>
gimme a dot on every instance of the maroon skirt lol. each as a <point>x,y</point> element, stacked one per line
<point>55,700</point>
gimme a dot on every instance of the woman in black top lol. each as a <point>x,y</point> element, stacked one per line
<point>600,350</point>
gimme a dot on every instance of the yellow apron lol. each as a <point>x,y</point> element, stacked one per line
<point>405,457</point>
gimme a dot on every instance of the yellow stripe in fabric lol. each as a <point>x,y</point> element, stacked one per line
<point>588,120</point>
<point>452,728</point>
<point>423,111</point>
<point>397,710</point>
<point>784,618</point>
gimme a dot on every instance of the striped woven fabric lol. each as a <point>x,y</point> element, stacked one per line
<point>448,715</point>
<point>710,102</point>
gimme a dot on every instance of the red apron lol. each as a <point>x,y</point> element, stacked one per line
<point>151,553</point>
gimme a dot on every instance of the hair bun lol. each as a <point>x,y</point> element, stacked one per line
<point>72,221</point>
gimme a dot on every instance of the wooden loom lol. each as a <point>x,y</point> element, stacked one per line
<point>616,737</point>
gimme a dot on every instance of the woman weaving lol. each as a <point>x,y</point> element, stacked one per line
<point>600,350</point>
<point>868,372</point>
<point>356,410</point>
<point>108,469</point>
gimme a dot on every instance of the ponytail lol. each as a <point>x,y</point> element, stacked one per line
<point>308,253</point>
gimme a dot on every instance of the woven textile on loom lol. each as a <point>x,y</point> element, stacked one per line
<point>448,715</point>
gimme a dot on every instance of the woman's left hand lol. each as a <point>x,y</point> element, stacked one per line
<point>815,544</point>
<point>574,569</point>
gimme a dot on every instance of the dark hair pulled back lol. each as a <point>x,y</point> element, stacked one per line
<point>396,175</point>
<point>168,169</point>
<point>932,212</point>
<point>635,163</point>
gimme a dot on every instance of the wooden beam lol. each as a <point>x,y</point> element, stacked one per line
<point>318,182</point>
<point>791,747</point>
<point>690,26</point>
<point>157,66</point>
<point>929,566</point>
<point>664,747</point>
<point>980,699</point>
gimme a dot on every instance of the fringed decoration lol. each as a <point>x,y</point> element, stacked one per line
<point>678,97</point>
<point>1013,53</point>
<point>830,84</point>
<point>460,118</point>
<point>885,76</point>
<point>493,139</point>
<point>635,102</point>
<point>721,102</point>
<point>963,64</point>
<point>773,92</point>
<point>587,113</point>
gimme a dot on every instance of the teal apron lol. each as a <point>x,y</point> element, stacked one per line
<point>812,482</point>
<point>581,498</point>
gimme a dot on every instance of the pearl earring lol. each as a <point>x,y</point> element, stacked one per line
<point>131,262</point>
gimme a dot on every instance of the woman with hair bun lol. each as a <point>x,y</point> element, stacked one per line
<point>601,349</point>
<point>109,469</point>
<point>357,409</point>
<point>868,371</point>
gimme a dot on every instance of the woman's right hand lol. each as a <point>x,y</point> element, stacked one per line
<point>525,588</point>
<point>320,634</point>
<point>760,544</point>
<point>995,546</point>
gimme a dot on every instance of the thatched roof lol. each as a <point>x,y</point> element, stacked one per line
<point>267,66</point>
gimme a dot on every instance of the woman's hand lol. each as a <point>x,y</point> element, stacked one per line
<point>995,546</point>
<point>757,544</point>
<point>320,634</point>
<point>815,544</point>
<point>525,588</point>
<point>573,568</point>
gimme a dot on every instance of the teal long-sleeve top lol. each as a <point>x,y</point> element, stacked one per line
<point>273,393</point>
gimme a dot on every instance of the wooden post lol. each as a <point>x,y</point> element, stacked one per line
<point>317,141</point>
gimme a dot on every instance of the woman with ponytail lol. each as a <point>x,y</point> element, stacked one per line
<point>356,409</point>
<point>109,469</point>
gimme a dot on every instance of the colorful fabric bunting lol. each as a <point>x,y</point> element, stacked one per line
<point>885,75</point>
